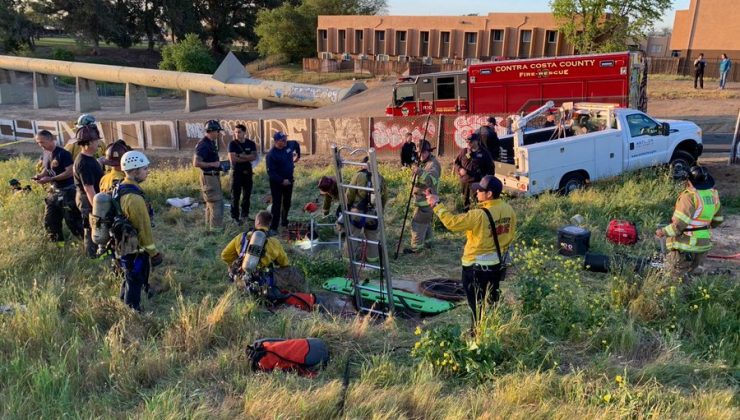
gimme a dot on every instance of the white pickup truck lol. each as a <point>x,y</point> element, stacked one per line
<point>564,157</point>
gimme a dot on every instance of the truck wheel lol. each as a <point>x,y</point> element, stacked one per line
<point>571,182</point>
<point>680,164</point>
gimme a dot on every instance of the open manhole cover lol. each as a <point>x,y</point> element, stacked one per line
<point>445,289</point>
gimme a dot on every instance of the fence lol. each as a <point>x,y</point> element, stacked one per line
<point>315,135</point>
<point>681,66</point>
<point>377,68</point>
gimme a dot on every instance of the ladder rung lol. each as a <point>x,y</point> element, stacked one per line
<point>356,187</point>
<point>364,264</point>
<point>356,239</point>
<point>369,216</point>
<point>349,162</point>
<point>374,311</point>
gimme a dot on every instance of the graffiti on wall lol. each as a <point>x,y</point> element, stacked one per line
<point>297,129</point>
<point>388,134</point>
<point>352,132</point>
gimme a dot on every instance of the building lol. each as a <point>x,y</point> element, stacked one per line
<point>709,27</point>
<point>657,45</point>
<point>441,38</point>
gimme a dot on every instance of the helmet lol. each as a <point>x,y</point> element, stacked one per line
<point>114,152</point>
<point>327,184</point>
<point>279,135</point>
<point>133,160</point>
<point>473,137</point>
<point>700,178</point>
<point>213,125</point>
<point>87,133</point>
<point>85,120</point>
<point>426,146</point>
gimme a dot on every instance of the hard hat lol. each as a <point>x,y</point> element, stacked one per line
<point>85,120</point>
<point>489,183</point>
<point>133,160</point>
<point>87,133</point>
<point>213,125</point>
<point>327,184</point>
<point>114,152</point>
<point>473,137</point>
<point>279,135</point>
<point>426,146</point>
<point>700,178</point>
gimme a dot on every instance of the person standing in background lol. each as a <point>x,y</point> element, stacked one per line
<point>724,70</point>
<point>242,152</point>
<point>699,65</point>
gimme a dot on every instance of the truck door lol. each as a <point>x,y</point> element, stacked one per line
<point>608,153</point>
<point>645,144</point>
<point>425,89</point>
<point>446,98</point>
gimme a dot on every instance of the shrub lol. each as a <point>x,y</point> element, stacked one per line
<point>188,55</point>
<point>62,54</point>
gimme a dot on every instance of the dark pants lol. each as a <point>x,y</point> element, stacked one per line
<point>85,209</point>
<point>481,284</point>
<point>466,191</point>
<point>241,183</point>
<point>60,205</point>
<point>281,196</point>
<point>699,76</point>
<point>136,268</point>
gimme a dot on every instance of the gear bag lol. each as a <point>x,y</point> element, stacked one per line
<point>622,232</point>
<point>303,356</point>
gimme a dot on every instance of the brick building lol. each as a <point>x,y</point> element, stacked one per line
<point>707,26</point>
<point>441,38</point>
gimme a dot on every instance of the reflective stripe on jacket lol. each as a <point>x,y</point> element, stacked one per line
<point>696,212</point>
<point>427,178</point>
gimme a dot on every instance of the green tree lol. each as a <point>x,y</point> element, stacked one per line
<point>16,29</point>
<point>189,55</point>
<point>291,30</point>
<point>606,25</point>
<point>181,18</point>
<point>89,20</point>
<point>227,20</point>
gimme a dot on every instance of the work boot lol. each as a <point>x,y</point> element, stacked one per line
<point>407,251</point>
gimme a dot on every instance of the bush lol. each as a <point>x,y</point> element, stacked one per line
<point>188,55</point>
<point>62,54</point>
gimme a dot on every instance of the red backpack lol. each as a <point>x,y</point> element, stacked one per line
<point>304,355</point>
<point>622,232</point>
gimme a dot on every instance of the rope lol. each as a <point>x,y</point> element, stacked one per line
<point>725,257</point>
<point>445,289</point>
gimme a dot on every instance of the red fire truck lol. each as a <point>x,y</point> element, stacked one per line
<point>517,86</point>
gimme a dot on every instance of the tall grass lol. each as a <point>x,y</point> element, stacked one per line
<point>597,345</point>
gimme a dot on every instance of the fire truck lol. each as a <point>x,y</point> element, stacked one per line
<point>520,86</point>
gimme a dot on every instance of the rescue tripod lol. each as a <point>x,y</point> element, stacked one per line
<point>383,304</point>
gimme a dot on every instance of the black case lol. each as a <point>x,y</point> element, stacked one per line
<point>573,240</point>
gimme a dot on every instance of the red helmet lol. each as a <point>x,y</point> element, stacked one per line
<point>87,134</point>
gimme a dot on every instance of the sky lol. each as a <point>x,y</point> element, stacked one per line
<point>483,7</point>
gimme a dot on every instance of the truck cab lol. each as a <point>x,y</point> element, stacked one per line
<point>567,156</point>
<point>438,93</point>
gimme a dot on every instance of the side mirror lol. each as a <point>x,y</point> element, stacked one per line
<point>665,129</point>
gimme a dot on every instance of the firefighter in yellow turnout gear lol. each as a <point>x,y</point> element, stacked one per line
<point>115,175</point>
<point>274,253</point>
<point>427,178</point>
<point>363,202</point>
<point>689,237</point>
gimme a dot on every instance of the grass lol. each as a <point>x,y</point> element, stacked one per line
<point>563,343</point>
<point>664,86</point>
<point>74,43</point>
<point>294,73</point>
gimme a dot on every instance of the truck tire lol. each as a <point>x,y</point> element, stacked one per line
<point>572,181</point>
<point>680,163</point>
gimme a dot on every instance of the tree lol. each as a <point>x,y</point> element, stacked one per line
<point>182,17</point>
<point>189,55</point>
<point>606,25</point>
<point>88,19</point>
<point>291,30</point>
<point>226,20</point>
<point>16,29</point>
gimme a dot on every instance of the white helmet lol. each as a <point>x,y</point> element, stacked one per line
<point>133,160</point>
<point>85,120</point>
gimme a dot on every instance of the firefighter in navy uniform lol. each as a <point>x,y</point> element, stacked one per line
<point>87,175</point>
<point>689,236</point>
<point>280,162</point>
<point>482,259</point>
<point>57,165</point>
<point>136,264</point>
<point>408,151</point>
<point>206,158</point>
<point>472,164</point>
<point>427,178</point>
<point>359,201</point>
<point>242,152</point>
<point>488,137</point>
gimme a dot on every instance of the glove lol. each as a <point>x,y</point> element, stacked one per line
<point>157,259</point>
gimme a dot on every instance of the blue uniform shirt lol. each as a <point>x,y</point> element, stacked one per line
<point>280,164</point>
<point>207,151</point>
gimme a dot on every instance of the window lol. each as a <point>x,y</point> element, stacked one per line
<point>641,125</point>
<point>404,94</point>
<point>656,49</point>
<point>445,37</point>
<point>471,37</point>
<point>446,88</point>
<point>359,34</point>
<point>322,33</point>
<point>552,37</point>
<point>380,35</point>
<point>401,36</point>
<point>526,36</point>
<point>425,37</point>
<point>498,35</point>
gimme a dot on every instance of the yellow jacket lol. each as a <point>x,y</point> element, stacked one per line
<point>112,177</point>
<point>136,211</point>
<point>479,247</point>
<point>274,252</point>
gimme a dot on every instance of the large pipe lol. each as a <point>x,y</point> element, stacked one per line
<point>237,84</point>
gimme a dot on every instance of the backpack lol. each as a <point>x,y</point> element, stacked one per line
<point>622,232</point>
<point>124,236</point>
<point>303,356</point>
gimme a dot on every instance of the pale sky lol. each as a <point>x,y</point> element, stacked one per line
<point>483,7</point>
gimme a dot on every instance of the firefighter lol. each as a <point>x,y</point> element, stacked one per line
<point>112,158</point>
<point>85,120</point>
<point>206,158</point>
<point>359,201</point>
<point>688,237</point>
<point>87,174</point>
<point>280,163</point>
<point>482,259</point>
<point>57,165</point>
<point>472,164</point>
<point>427,178</point>
<point>408,151</point>
<point>136,265</point>
<point>329,190</point>
<point>242,152</point>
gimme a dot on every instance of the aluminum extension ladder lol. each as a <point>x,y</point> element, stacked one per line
<point>346,156</point>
